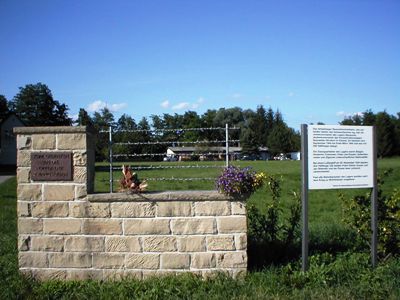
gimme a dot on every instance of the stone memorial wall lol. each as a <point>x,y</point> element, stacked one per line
<point>65,231</point>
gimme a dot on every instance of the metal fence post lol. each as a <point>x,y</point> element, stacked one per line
<point>111,159</point>
<point>227,144</point>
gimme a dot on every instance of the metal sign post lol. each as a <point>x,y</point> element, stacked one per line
<point>304,197</point>
<point>374,205</point>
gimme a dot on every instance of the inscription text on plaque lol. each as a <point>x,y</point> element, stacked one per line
<point>51,166</point>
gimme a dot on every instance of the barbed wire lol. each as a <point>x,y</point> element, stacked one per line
<point>175,142</point>
<point>164,154</point>
<point>180,179</point>
<point>170,130</point>
<point>175,179</point>
<point>171,167</point>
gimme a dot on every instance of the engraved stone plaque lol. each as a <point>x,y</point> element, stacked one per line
<point>51,166</point>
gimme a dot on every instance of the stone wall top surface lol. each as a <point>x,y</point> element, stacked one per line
<point>162,196</point>
<point>51,129</point>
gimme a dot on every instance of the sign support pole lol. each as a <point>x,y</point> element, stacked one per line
<point>374,204</point>
<point>304,197</point>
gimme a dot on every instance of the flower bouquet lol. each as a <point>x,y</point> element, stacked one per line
<point>130,182</point>
<point>235,181</point>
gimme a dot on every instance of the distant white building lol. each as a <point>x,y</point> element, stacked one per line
<point>294,155</point>
<point>8,146</point>
<point>209,153</point>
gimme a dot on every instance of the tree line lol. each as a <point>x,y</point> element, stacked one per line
<point>35,106</point>
<point>258,129</point>
<point>387,130</point>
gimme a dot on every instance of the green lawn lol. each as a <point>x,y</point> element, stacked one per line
<point>332,274</point>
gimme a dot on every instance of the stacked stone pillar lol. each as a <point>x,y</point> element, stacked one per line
<point>65,231</point>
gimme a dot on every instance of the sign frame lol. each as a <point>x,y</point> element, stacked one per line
<point>305,149</point>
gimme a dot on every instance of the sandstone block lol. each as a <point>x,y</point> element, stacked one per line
<point>174,209</point>
<point>241,241</point>
<point>59,192</point>
<point>23,209</point>
<point>175,261</point>
<point>108,260</point>
<point>232,259</point>
<point>84,244</point>
<point>23,175</point>
<point>62,226</point>
<point>24,142</point>
<point>192,244</point>
<point>113,274</point>
<point>32,260</point>
<point>193,226</point>
<point>238,208</point>
<point>49,209</point>
<point>49,274</point>
<point>203,260</point>
<point>44,141</point>
<point>147,226</point>
<point>133,210</point>
<point>28,225</point>
<point>71,141</point>
<point>89,210</point>
<point>23,158</point>
<point>123,244</point>
<point>220,243</point>
<point>212,208</point>
<point>142,261</point>
<point>133,274</point>
<point>159,244</point>
<point>80,191</point>
<point>29,192</point>
<point>47,243</point>
<point>232,224</point>
<point>80,174</point>
<point>24,242</point>
<point>84,274</point>
<point>102,226</point>
<point>70,260</point>
<point>80,158</point>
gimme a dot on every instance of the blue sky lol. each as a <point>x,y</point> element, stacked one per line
<point>312,60</point>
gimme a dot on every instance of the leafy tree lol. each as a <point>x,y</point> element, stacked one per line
<point>281,139</point>
<point>35,106</point>
<point>4,110</point>
<point>385,134</point>
<point>84,119</point>
<point>104,119</point>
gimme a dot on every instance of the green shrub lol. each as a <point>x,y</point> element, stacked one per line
<point>272,239</point>
<point>357,215</point>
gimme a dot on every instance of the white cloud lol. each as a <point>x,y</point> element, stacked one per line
<point>291,94</point>
<point>96,106</point>
<point>99,104</point>
<point>200,100</point>
<point>118,106</point>
<point>344,114</point>
<point>181,105</point>
<point>165,104</point>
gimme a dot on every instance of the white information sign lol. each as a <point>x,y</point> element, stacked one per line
<point>340,156</point>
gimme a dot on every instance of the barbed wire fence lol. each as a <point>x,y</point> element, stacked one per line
<point>207,151</point>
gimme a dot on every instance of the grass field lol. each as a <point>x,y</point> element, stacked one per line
<point>332,274</point>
